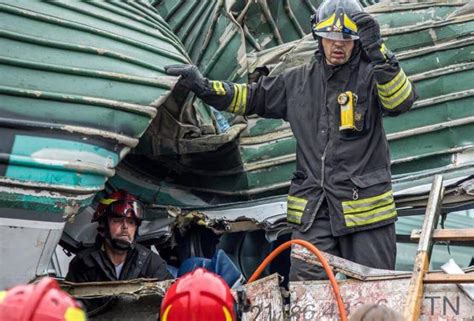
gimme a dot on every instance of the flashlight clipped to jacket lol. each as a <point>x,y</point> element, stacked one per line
<point>347,101</point>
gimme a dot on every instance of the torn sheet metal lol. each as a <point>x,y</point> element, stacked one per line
<point>314,300</point>
<point>140,299</point>
<point>135,288</point>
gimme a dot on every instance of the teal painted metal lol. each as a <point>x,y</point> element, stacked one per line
<point>81,82</point>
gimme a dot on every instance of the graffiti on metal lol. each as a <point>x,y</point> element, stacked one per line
<point>266,302</point>
<point>314,300</point>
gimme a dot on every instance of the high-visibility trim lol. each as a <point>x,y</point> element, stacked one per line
<point>380,216</point>
<point>399,97</point>
<point>234,99</point>
<point>359,202</point>
<point>367,204</point>
<point>349,24</point>
<point>294,213</point>
<point>227,314</point>
<point>297,199</point>
<point>165,314</point>
<point>239,99</point>
<point>326,23</point>
<point>107,201</point>
<point>290,217</point>
<point>75,314</point>
<point>295,209</point>
<point>218,88</point>
<point>393,85</point>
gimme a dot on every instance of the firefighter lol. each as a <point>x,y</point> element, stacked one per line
<point>340,198</point>
<point>198,295</point>
<point>116,254</point>
<point>43,301</point>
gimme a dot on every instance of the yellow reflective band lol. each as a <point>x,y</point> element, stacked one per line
<point>370,213</point>
<point>349,24</point>
<point>295,207</point>
<point>399,97</point>
<point>165,314</point>
<point>3,294</point>
<point>326,23</point>
<point>218,88</point>
<point>227,314</point>
<point>244,100</point>
<point>294,213</point>
<point>365,200</point>
<point>389,215</point>
<point>293,218</point>
<point>297,200</point>
<point>234,99</point>
<point>367,205</point>
<point>107,201</point>
<point>238,103</point>
<point>75,314</point>
<point>392,87</point>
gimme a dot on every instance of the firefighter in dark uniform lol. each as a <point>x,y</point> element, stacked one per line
<point>340,198</point>
<point>116,255</point>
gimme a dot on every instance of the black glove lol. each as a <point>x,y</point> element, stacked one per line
<point>192,78</point>
<point>370,38</point>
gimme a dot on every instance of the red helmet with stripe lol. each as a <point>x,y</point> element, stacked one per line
<point>119,203</point>
<point>43,301</point>
<point>198,296</point>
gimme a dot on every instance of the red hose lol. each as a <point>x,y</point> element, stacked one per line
<point>315,251</point>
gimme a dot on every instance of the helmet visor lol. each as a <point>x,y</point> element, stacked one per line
<point>127,209</point>
<point>334,35</point>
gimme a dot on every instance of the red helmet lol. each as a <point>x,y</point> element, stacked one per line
<point>198,295</point>
<point>119,203</point>
<point>43,301</point>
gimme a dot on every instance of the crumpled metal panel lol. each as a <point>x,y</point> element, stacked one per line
<point>81,82</point>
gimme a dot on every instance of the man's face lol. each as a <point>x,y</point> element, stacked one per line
<point>122,228</point>
<point>337,52</point>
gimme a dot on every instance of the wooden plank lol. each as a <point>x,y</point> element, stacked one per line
<point>461,235</point>
<point>444,278</point>
<point>412,308</point>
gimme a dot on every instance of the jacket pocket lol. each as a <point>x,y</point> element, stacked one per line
<point>378,176</point>
<point>376,204</point>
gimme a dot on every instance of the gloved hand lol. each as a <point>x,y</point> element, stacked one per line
<point>192,78</point>
<point>369,34</point>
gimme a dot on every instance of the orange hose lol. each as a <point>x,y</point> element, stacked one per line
<point>315,251</point>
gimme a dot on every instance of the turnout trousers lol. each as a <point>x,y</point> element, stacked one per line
<point>375,248</point>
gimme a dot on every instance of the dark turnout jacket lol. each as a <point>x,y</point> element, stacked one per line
<point>350,170</point>
<point>93,265</point>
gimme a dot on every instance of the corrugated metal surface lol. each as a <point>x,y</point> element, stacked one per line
<point>81,82</point>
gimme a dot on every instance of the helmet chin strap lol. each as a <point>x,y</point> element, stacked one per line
<point>121,245</point>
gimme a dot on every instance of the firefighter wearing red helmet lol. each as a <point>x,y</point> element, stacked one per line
<point>116,255</point>
<point>43,301</point>
<point>199,295</point>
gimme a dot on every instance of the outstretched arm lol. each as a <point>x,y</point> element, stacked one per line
<point>266,98</point>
